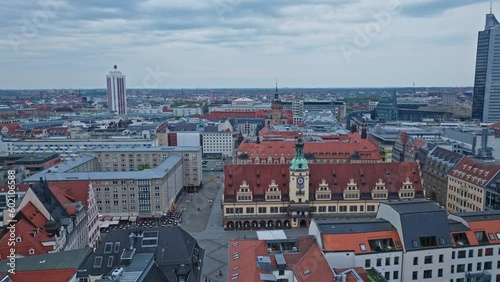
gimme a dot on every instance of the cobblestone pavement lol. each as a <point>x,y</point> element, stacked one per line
<point>205,225</point>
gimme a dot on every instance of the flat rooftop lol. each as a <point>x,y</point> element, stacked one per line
<point>361,225</point>
<point>413,206</point>
<point>479,216</point>
<point>148,149</point>
<point>154,173</point>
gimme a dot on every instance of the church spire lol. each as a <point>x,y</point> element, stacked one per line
<point>276,95</point>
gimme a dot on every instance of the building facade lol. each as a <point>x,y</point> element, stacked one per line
<point>290,195</point>
<point>185,111</point>
<point>117,91</point>
<point>473,186</point>
<point>217,142</point>
<point>70,148</point>
<point>449,99</point>
<point>276,116</point>
<point>435,167</point>
<point>109,160</point>
<point>415,241</point>
<point>486,98</point>
<point>146,193</point>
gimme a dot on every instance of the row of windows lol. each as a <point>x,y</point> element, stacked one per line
<point>361,208</point>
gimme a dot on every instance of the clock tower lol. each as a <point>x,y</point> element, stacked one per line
<point>299,174</point>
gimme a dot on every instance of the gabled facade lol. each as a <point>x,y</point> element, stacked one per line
<point>282,195</point>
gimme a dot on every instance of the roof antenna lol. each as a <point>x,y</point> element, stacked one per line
<point>491,7</point>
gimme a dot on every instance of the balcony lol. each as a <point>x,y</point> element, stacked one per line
<point>461,239</point>
<point>382,245</point>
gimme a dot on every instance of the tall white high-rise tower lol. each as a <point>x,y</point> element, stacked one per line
<point>117,91</point>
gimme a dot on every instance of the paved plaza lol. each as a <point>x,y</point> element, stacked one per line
<point>206,226</point>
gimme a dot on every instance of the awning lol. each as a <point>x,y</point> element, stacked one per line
<point>104,224</point>
<point>133,218</point>
<point>114,222</point>
<point>124,218</point>
<point>116,218</point>
<point>107,218</point>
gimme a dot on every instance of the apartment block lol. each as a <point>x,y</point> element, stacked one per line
<point>132,159</point>
<point>145,193</point>
<point>473,185</point>
<point>415,240</point>
<point>70,148</point>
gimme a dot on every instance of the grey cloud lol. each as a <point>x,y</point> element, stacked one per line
<point>436,7</point>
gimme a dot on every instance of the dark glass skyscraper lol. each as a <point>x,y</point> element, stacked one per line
<point>486,99</point>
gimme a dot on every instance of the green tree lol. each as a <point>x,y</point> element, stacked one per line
<point>143,166</point>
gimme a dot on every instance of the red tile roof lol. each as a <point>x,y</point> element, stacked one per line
<point>247,267</point>
<point>366,175</point>
<point>57,128</point>
<point>57,275</point>
<point>19,187</point>
<point>217,115</point>
<point>30,228</point>
<point>309,258</point>
<point>496,127</point>
<point>70,192</point>
<point>351,242</point>
<point>11,127</point>
<point>474,171</point>
<point>325,150</point>
<point>488,226</point>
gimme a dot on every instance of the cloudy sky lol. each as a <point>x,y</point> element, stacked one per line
<point>239,43</point>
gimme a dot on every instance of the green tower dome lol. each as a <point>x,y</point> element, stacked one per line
<point>299,162</point>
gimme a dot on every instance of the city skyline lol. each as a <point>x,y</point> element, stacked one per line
<point>241,44</point>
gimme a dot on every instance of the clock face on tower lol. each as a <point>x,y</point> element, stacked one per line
<point>300,182</point>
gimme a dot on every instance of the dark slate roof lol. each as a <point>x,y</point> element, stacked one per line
<point>183,127</point>
<point>479,216</point>
<point>155,274</point>
<point>175,247</point>
<point>413,206</point>
<point>456,226</point>
<point>422,218</point>
<point>337,226</point>
<point>62,260</point>
<point>448,157</point>
<point>50,202</point>
<point>211,128</point>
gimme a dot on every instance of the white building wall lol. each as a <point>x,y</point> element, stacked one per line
<point>409,267</point>
<point>218,142</point>
<point>70,148</point>
<point>188,139</point>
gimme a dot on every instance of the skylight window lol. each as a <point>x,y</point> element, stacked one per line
<point>108,248</point>
<point>414,243</point>
<point>98,262</point>
<point>148,242</point>
<point>117,247</point>
<point>362,247</point>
